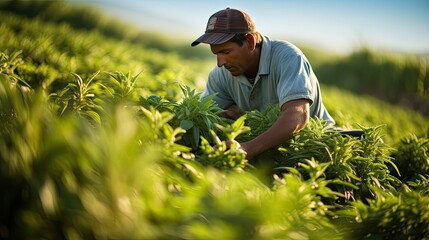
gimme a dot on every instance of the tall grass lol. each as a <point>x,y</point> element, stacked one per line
<point>52,52</point>
<point>399,79</point>
<point>129,177</point>
<point>351,110</point>
<point>84,17</point>
<point>97,140</point>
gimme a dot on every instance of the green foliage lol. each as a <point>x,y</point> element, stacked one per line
<point>356,164</point>
<point>80,98</point>
<point>161,165</point>
<point>349,110</point>
<point>123,86</point>
<point>79,17</point>
<point>420,184</point>
<point>156,102</point>
<point>197,116</point>
<point>400,216</point>
<point>86,18</point>
<point>259,122</point>
<point>227,154</point>
<point>234,130</point>
<point>412,157</point>
<point>128,177</point>
<point>396,78</point>
<point>50,52</point>
<point>8,64</point>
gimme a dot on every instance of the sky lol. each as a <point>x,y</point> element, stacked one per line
<point>334,25</point>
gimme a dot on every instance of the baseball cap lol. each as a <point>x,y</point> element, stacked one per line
<point>224,24</point>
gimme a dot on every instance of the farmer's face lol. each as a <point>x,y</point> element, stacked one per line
<point>233,57</point>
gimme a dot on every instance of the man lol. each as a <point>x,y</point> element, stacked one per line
<point>253,72</point>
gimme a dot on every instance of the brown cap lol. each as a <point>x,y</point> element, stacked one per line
<point>223,25</point>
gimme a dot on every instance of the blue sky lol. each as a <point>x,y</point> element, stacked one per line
<point>334,25</point>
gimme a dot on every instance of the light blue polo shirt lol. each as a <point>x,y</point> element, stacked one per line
<point>284,74</point>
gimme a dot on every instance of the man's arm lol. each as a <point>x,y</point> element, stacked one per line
<point>294,117</point>
<point>232,112</point>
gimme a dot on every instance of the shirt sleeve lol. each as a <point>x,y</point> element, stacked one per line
<point>294,80</point>
<point>216,84</point>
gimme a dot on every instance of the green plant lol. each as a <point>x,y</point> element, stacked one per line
<point>403,215</point>
<point>196,115</point>
<point>226,154</point>
<point>420,184</point>
<point>259,122</point>
<point>306,194</point>
<point>412,157</point>
<point>80,97</point>
<point>156,102</point>
<point>8,65</point>
<point>386,75</point>
<point>142,173</point>
<point>123,86</point>
<point>357,164</point>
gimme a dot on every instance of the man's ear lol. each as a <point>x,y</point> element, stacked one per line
<point>251,41</point>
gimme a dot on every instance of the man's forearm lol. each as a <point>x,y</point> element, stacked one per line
<point>293,118</point>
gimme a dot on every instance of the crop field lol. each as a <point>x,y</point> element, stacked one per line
<point>104,135</point>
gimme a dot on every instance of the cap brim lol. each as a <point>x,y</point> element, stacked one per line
<point>213,38</point>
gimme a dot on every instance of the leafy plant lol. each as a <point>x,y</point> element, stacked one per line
<point>306,194</point>
<point>196,115</point>
<point>396,76</point>
<point>80,97</point>
<point>8,65</point>
<point>226,154</point>
<point>166,167</point>
<point>404,215</point>
<point>420,184</point>
<point>259,122</point>
<point>412,157</point>
<point>356,164</point>
<point>123,86</point>
<point>156,102</point>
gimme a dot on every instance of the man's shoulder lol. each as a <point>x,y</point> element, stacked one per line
<point>284,47</point>
<point>220,75</point>
<point>219,72</point>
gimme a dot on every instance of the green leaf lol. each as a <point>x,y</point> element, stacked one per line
<point>186,124</point>
<point>196,133</point>
<point>93,115</point>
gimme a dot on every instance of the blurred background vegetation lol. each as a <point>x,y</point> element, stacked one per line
<point>397,78</point>
<point>122,176</point>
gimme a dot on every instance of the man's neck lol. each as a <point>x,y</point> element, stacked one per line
<point>255,64</point>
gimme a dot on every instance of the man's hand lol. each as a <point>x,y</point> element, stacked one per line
<point>294,117</point>
<point>232,112</point>
<point>228,144</point>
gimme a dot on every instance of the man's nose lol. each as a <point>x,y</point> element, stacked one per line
<point>220,60</point>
